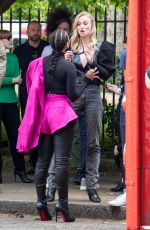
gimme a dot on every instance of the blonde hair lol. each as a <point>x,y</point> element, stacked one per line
<point>75,38</point>
<point>5,34</point>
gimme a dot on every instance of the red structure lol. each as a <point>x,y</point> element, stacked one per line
<point>138,116</point>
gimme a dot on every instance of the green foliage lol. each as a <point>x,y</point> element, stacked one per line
<point>28,7</point>
<point>110,120</point>
<point>118,74</point>
<point>119,3</point>
<point>74,6</point>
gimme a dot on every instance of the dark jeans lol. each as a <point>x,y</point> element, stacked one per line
<point>90,103</point>
<point>9,115</point>
<point>122,136</point>
<point>122,127</point>
<point>83,143</point>
<point>23,100</point>
<point>33,154</point>
<point>60,143</point>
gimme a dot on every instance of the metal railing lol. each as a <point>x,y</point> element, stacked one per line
<point>112,26</point>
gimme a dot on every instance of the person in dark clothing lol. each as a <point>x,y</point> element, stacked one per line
<point>56,131</point>
<point>61,18</point>
<point>26,53</point>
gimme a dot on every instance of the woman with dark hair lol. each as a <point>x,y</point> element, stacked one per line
<point>59,18</point>
<point>52,120</point>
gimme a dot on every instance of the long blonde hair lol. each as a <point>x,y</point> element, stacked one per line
<point>75,38</point>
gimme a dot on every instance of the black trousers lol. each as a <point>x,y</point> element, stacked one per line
<point>9,115</point>
<point>33,154</point>
<point>60,143</point>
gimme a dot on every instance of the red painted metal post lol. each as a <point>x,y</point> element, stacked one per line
<point>145,120</point>
<point>138,116</point>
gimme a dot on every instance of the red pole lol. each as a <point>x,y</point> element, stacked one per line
<point>138,116</point>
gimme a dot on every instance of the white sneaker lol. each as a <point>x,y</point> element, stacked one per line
<point>119,201</point>
<point>83,184</point>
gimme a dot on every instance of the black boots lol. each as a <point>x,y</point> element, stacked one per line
<point>31,170</point>
<point>118,188</point>
<point>64,213</point>
<point>43,211</point>
<point>23,176</point>
<point>93,196</point>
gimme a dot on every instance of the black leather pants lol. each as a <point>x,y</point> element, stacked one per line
<point>60,143</point>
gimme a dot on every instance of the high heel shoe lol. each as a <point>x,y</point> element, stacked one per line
<point>93,196</point>
<point>23,176</point>
<point>43,210</point>
<point>64,213</point>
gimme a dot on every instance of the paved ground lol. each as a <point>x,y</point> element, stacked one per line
<point>16,198</point>
<point>20,197</point>
<point>11,222</point>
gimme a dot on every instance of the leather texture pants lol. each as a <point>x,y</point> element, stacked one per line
<point>60,143</point>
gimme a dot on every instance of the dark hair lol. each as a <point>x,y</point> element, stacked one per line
<point>5,34</point>
<point>58,40</point>
<point>33,22</point>
<point>59,15</point>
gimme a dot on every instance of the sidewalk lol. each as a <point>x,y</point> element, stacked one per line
<point>20,198</point>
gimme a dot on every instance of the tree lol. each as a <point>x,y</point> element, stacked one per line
<point>75,6</point>
<point>5,5</point>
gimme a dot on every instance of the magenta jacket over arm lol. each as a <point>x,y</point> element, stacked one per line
<point>29,130</point>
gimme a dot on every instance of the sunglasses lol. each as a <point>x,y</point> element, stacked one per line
<point>78,53</point>
<point>9,38</point>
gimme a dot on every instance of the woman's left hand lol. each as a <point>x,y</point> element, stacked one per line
<point>89,53</point>
<point>92,73</point>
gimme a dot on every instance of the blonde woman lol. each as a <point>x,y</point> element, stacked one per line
<point>87,55</point>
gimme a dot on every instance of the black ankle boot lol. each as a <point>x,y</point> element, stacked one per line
<point>31,170</point>
<point>23,176</point>
<point>64,213</point>
<point>51,194</point>
<point>93,196</point>
<point>118,188</point>
<point>43,211</point>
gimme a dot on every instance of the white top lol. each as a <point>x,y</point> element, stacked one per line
<point>47,51</point>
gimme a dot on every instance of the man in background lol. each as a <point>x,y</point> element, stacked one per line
<point>27,52</point>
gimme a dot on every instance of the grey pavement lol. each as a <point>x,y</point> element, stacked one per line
<point>19,198</point>
<point>11,222</point>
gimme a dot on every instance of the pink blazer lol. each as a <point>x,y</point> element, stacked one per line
<point>29,130</point>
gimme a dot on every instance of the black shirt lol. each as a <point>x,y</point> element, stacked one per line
<point>103,60</point>
<point>25,54</point>
<point>63,79</point>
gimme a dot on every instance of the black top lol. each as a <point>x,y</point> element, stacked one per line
<point>25,54</point>
<point>103,60</point>
<point>63,79</point>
